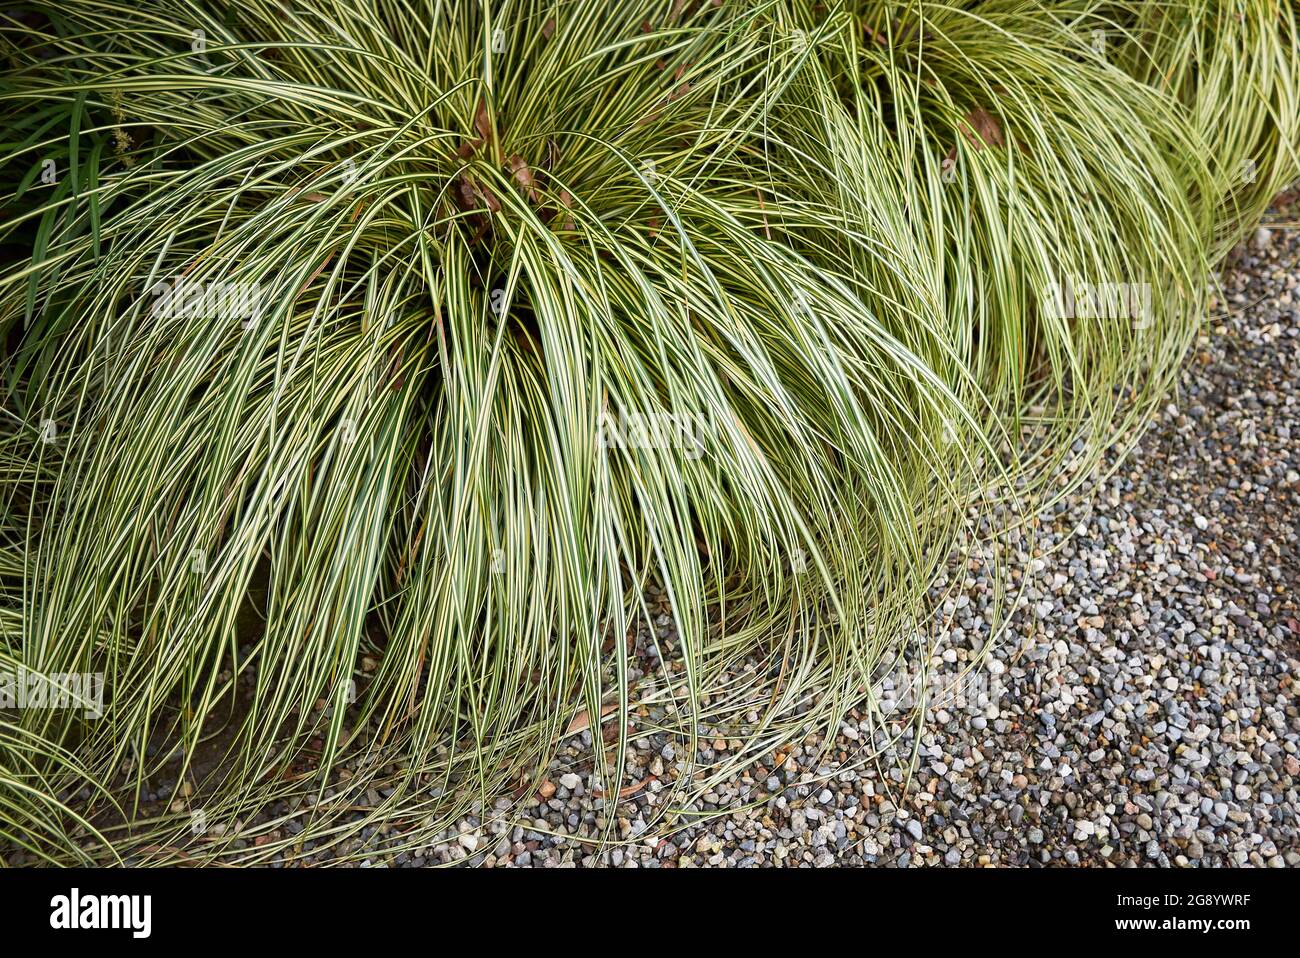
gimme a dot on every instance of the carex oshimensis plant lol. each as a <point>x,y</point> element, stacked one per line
<point>374,377</point>
<point>1044,171</point>
<point>1232,66</point>
<point>336,351</point>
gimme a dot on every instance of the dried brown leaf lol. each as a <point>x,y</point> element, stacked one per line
<point>523,175</point>
<point>482,122</point>
<point>580,721</point>
<point>982,129</point>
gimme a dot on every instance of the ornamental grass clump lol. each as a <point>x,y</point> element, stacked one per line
<point>374,377</point>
